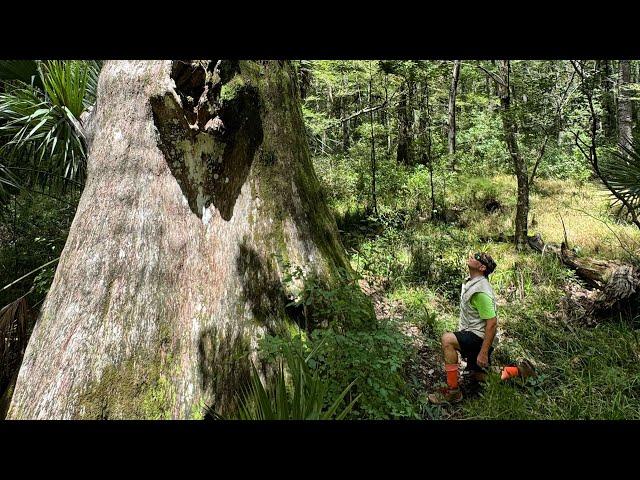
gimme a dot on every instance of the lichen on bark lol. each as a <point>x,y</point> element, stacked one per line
<point>209,141</point>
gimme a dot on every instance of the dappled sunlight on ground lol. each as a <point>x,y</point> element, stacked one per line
<point>418,269</point>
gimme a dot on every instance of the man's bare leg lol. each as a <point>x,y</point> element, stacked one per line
<point>450,348</point>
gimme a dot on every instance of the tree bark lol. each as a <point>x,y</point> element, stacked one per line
<point>519,164</point>
<point>452,111</point>
<point>608,107</point>
<point>427,156</point>
<point>625,121</point>
<point>374,199</point>
<point>386,114</point>
<point>200,187</point>
<point>346,140</point>
<point>405,144</point>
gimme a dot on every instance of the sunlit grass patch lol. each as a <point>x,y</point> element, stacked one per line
<point>584,208</point>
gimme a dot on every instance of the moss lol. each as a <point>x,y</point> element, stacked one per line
<point>198,410</point>
<point>231,89</point>
<point>137,388</point>
<point>157,399</point>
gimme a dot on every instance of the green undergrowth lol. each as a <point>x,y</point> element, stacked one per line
<point>373,360</point>
<point>584,373</point>
<point>352,346</point>
<point>587,374</point>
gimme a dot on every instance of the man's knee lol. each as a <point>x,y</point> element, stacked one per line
<point>448,339</point>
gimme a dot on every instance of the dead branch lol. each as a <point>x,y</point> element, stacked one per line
<point>363,111</point>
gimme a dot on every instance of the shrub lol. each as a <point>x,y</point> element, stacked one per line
<point>295,392</point>
<point>343,303</point>
<point>373,360</point>
<point>377,357</point>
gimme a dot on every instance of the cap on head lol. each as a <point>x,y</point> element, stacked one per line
<point>487,261</point>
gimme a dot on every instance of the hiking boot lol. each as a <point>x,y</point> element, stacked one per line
<point>446,395</point>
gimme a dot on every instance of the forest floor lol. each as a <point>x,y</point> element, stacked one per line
<point>413,269</point>
<point>428,362</point>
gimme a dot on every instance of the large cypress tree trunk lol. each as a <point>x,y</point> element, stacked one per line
<point>200,187</point>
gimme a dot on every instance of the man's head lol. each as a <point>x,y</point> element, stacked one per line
<point>481,262</point>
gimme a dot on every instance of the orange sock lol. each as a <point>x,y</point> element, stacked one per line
<point>452,375</point>
<point>510,371</point>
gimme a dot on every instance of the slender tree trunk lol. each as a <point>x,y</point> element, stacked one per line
<point>386,114</point>
<point>346,143</point>
<point>345,137</point>
<point>405,148</point>
<point>608,104</point>
<point>452,112</point>
<point>197,192</point>
<point>625,122</point>
<point>491,93</point>
<point>413,120</point>
<point>519,164</point>
<point>429,156</point>
<point>374,200</point>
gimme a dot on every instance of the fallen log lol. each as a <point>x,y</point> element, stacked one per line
<point>611,286</point>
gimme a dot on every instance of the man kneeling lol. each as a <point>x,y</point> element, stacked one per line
<point>476,335</point>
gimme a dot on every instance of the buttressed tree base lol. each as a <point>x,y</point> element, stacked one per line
<point>200,188</point>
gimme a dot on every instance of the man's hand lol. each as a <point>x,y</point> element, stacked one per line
<point>483,356</point>
<point>483,359</point>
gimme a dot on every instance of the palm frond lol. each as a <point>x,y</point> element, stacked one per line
<point>294,392</point>
<point>41,134</point>
<point>9,184</point>
<point>65,83</point>
<point>93,72</point>
<point>621,169</point>
<point>40,129</point>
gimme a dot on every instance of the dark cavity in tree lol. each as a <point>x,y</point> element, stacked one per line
<point>190,82</point>
<point>224,132</point>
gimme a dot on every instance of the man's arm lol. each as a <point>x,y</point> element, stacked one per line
<point>489,334</point>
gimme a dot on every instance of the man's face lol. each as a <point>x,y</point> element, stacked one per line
<point>475,264</point>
